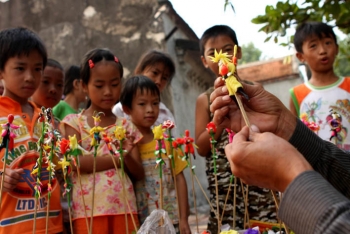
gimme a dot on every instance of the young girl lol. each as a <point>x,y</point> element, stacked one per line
<point>140,99</point>
<point>101,73</point>
<point>73,92</point>
<point>160,68</point>
<point>50,90</point>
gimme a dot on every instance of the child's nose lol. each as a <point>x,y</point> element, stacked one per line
<point>52,89</point>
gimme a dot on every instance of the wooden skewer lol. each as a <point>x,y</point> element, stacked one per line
<point>234,203</point>
<point>93,193</point>
<point>124,194</point>
<point>82,197</point>
<point>244,114</point>
<point>205,195</point>
<point>228,192</point>
<point>4,169</point>
<point>277,208</point>
<point>194,195</point>
<point>70,220</point>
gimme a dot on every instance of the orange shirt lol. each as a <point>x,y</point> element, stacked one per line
<point>18,206</point>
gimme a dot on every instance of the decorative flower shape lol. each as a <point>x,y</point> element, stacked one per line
<point>119,133</point>
<point>211,128</point>
<point>168,124</point>
<point>158,132</point>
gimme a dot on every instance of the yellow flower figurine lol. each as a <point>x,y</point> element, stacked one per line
<point>119,133</point>
<point>158,132</point>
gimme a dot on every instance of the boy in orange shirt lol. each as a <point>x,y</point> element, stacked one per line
<point>22,60</point>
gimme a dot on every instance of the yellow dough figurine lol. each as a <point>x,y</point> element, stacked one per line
<point>227,69</point>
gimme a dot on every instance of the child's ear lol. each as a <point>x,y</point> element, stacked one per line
<point>204,62</point>
<point>126,110</point>
<point>76,84</point>
<point>300,56</point>
<point>239,52</point>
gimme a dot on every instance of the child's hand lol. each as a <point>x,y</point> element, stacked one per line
<point>128,144</point>
<point>12,178</point>
<point>184,227</point>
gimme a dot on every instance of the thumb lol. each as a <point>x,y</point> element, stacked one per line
<point>252,132</point>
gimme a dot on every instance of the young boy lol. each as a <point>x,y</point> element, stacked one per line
<point>323,100</point>
<point>50,90</point>
<point>261,204</point>
<point>22,60</point>
<point>140,100</point>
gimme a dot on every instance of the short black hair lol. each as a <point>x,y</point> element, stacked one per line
<point>217,30</point>
<point>135,83</point>
<point>19,41</point>
<point>54,63</point>
<point>72,74</point>
<point>97,55</point>
<point>309,29</point>
<point>153,57</point>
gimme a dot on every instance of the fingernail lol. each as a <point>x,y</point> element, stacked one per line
<point>224,89</point>
<point>254,128</point>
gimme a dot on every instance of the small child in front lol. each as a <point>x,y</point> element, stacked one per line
<point>140,100</point>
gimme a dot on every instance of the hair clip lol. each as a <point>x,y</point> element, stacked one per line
<point>91,63</point>
<point>116,59</point>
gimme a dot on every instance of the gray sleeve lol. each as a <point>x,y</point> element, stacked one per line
<point>311,205</point>
<point>327,159</point>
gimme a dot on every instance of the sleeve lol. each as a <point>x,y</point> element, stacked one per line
<point>180,164</point>
<point>295,100</point>
<point>57,110</point>
<point>118,110</point>
<point>132,130</point>
<point>311,205</point>
<point>70,120</point>
<point>326,158</point>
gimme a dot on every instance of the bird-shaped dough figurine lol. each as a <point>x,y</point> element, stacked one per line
<point>227,69</point>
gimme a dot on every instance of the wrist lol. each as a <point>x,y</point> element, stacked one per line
<point>286,126</point>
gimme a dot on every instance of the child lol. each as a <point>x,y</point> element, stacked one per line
<point>160,68</point>
<point>140,99</point>
<point>324,99</point>
<point>50,90</point>
<point>73,92</point>
<point>261,204</point>
<point>22,60</point>
<point>101,73</point>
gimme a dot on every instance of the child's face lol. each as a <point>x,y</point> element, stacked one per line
<point>159,73</point>
<point>21,76</point>
<point>221,42</point>
<point>104,86</point>
<point>50,90</point>
<point>144,109</point>
<point>319,53</point>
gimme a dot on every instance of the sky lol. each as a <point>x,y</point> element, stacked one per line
<point>202,14</point>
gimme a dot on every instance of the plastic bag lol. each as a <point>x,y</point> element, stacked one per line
<point>151,224</point>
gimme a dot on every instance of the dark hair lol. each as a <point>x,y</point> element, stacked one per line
<point>153,57</point>
<point>309,29</point>
<point>72,74</point>
<point>97,55</point>
<point>135,83</point>
<point>217,30</point>
<point>54,63</point>
<point>19,41</point>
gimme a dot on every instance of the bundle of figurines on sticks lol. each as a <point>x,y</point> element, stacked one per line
<point>57,153</point>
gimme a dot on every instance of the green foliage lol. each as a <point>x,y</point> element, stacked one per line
<point>250,53</point>
<point>288,14</point>
<point>342,65</point>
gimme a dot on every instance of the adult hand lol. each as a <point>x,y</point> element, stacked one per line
<point>263,110</point>
<point>12,177</point>
<point>264,159</point>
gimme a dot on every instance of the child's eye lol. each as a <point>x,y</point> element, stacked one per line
<point>141,104</point>
<point>155,73</point>
<point>312,45</point>
<point>98,86</point>
<point>115,85</point>
<point>165,78</point>
<point>156,103</point>
<point>45,82</point>
<point>38,69</point>
<point>20,68</point>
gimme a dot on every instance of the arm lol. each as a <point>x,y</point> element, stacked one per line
<point>183,203</point>
<point>86,161</point>
<point>326,158</point>
<point>133,164</point>
<point>311,205</point>
<point>202,137</point>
